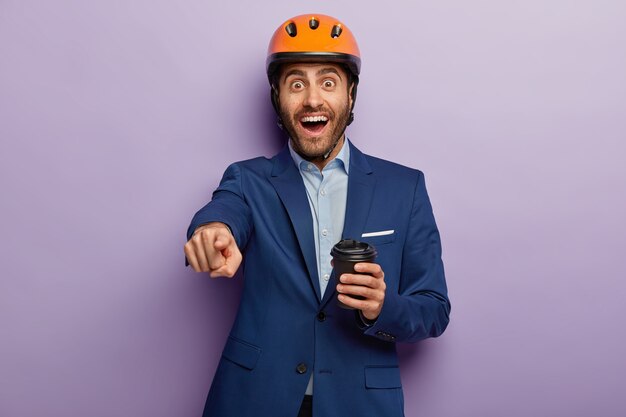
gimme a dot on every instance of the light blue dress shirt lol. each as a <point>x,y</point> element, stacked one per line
<point>327,191</point>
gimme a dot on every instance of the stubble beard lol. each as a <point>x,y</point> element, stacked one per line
<point>307,148</point>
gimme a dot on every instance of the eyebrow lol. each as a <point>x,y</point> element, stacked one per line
<point>323,71</point>
<point>328,70</point>
<point>294,72</point>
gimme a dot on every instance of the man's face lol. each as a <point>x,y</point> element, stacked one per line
<point>315,104</point>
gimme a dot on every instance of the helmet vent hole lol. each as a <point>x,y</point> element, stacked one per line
<point>291,29</point>
<point>336,31</point>
<point>314,23</point>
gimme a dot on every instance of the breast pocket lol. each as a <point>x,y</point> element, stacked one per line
<point>379,237</point>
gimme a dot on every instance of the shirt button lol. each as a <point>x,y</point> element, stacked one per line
<point>301,368</point>
<point>323,192</point>
<point>324,232</point>
<point>326,277</point>
<point>310,167</point>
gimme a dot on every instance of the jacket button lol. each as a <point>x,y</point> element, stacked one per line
<point>321,316</point>
<point>301,368</point>
<point>385,336</point>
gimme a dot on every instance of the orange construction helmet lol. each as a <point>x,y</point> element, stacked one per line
<point>313,38</point>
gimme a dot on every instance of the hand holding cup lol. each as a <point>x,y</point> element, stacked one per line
<point>361,281</point>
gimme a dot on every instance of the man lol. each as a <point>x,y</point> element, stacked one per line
<point>292,350</point>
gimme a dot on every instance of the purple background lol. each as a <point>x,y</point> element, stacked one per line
<point>117,120</point>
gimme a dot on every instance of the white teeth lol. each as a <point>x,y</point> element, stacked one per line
<point>314,119</point>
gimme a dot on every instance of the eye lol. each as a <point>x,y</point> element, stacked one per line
<point>297,85</point>
<point>329,83</point>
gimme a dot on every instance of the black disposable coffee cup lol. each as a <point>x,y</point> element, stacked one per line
<point>346,254</point>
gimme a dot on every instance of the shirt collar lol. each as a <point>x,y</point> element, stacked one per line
<point>342,158</point>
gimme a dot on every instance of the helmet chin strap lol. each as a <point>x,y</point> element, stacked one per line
<point>332,148</point>
<point>350,120</point>
<point>327,154</point>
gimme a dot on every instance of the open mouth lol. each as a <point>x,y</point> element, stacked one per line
<point>314,124</point>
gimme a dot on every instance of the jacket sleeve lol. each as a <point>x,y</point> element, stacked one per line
<point>228,206</point>
<point>421,307</point>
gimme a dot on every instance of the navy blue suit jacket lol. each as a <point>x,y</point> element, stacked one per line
<point>285,329</point>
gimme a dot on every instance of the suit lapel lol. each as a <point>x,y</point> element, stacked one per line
<point>288,183</point>
<point>361,185</point>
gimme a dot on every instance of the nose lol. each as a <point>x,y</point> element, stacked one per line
<point>313,97</point>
